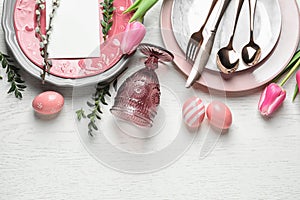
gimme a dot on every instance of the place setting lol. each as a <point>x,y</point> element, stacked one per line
<point>125,103</point>
<point>76,40</point>
<point>244,43</point>
<point>133,110</point>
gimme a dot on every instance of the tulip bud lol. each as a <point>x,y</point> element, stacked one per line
<point>298,79</point>
<point>271,98</point>
<point>133,35</point>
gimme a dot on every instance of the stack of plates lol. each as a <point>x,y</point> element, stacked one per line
<point>273,31</point>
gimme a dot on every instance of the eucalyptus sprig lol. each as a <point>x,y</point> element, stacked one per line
<point>98,99</point>
<point>13,76</point>
<point>80,114</point>
<point>107,13</point>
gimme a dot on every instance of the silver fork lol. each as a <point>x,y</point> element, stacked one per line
<point>196,38</point>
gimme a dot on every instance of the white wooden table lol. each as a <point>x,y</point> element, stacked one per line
<point>40,159</point>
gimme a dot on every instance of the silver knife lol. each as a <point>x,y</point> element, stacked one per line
<point>206,47</point>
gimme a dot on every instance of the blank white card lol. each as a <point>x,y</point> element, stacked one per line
<point>76,29</point>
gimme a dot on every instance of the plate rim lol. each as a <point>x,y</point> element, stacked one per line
<point>168,38</point>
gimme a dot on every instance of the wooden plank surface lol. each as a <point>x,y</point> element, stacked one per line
<point>45,159</point>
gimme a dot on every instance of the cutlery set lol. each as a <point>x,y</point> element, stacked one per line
<point>201,42</point>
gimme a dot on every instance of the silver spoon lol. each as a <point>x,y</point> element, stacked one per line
<point>227,58</point>
<point>251,52</point>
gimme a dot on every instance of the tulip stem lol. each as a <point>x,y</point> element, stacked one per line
<point>295,67</point>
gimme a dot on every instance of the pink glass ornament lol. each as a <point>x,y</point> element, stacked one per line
<point>139,96</point>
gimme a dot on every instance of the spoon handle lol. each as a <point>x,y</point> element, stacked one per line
<point>213,4</point>
<point>220,14</point>
<point>252,6</point>
<point>238,11</point>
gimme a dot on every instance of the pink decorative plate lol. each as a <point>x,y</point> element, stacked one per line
<point>244,81</point>
<point>70,68</point>
<point>20,40</point>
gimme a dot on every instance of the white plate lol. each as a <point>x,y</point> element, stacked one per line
<point>189,15</point>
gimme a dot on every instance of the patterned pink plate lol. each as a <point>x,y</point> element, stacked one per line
<point>24,25</point>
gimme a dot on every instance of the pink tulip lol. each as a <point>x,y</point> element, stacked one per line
<point>133,35</point>
<point>271,98</point>
<point>298,79</point>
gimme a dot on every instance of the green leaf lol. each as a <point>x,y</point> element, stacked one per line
<point>115,84</point>
<point>12,89</point>
<point>296,91</point>
<point>80,114</point>
<point>90,104</point>
<point>21,86</point>
<point>10,76</point>
<point>4,63</point>
<point>92,125</point>
<point>99,110</point>
<point>108,94</point>
<point>18,94</point>
<point>19,80</point>
<point>90,115</point>
<point>103,23</point>
<point>13,77</point>
<point>91,132</point>
<point>288,67</point>
<point>111,10</point>
<point>107,15</point>
<point>295,58</point>
<point>109,26</point>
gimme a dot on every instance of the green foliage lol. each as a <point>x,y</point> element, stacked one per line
<point>80,114</point>
<point>288,67</point>
<point>13,76</point>
<point>98,100</point>
<point>107,13</point>
<point>296,91</point>
<point>140,8</point>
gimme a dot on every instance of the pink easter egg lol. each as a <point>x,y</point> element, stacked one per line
<point>219,115</point>
<point>48,103</point>
<point>193,112</point>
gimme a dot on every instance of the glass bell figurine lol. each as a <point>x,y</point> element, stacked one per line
<point>138,97</point>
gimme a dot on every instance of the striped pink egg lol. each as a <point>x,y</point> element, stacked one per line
<point>193,112</point>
